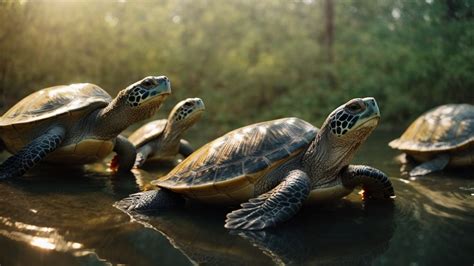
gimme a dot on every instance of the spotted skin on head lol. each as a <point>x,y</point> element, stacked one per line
<point>183,112</point>
<point>144,89</point>
<point>31,154</point>
<point>342,121</point>
<point>187,107</point>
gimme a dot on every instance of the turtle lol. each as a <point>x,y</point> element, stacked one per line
<point>77,124</point>
<point>162,139</point>
<point>441,137</point>
<point>272,168</point>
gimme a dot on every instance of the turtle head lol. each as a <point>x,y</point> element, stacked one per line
<point>345,129</point>
<point>137,102</point>
<point>186,112</point>
<point>151,91</point>
<point>354,119</point>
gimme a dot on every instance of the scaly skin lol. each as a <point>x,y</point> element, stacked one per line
<point>84,131</point>
<point>324,166</point>
<point>166,144</point>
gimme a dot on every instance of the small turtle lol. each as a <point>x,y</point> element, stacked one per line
<point>441,137</point>
<point>275,165</point>
<point>162,139</point>
<point>77,124</point>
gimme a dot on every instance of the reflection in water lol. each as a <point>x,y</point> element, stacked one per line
<point>42,237</point>
<point>64,216</point>
<point>347,232</point>
<point>435,221</point>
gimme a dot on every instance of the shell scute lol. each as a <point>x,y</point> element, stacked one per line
<point>55,101</point>
<point>446,127</point>
<point>147,132</point>
<point>253,165</point>
<point>246,151</point>
<point>234,169</point>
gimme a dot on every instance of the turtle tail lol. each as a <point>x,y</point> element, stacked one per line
<point>147,201</point>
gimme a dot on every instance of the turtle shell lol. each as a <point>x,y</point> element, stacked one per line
<point>444,128</point>
<point>148,132</point>
<point>228,167</point>
<point>54,101</point>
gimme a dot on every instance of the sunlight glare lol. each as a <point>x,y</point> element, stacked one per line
<point>111,20</point>
<point>176,19</point>
<point>396,13</point>
<point>43,243</point>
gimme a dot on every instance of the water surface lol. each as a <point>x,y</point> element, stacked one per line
<point>63,216</point>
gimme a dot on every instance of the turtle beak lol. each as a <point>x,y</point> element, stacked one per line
<point>200,105</point>
<point>372,106</point>
<point>163,87</point>
<point>372,111</point>
<point>157,94</point>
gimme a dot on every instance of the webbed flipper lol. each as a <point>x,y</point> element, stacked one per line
<point>185,148</point>
<point>436,164</point>
<point>126,155</point>
<point>142,155</point>
<point>273,207</point>
<point>149,201</point>
<point>32,154</point>
<point>375,183</point>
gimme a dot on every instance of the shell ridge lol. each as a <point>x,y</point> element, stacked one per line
<point>243,152</point>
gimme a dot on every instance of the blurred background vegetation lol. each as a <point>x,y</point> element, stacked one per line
<point>249,60</point>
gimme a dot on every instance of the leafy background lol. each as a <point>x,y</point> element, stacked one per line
<point>249,60</point>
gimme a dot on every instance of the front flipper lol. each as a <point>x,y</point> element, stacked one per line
<point>273,207</point>
<point>126,155</point>
<point>152,200</point>
<point>142,155</point>
<point>436,164</point>
<point>375,183</point>
<point>185,148</point>
<point>32,153</point>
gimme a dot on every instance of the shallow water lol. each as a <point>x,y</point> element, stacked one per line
<point>56,216</point>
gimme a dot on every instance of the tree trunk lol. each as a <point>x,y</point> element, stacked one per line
<point>328,40</point>
<point>329,29</point>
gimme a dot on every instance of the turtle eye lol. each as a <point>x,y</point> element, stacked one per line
<point>354,107</point>
<point>147,83</point>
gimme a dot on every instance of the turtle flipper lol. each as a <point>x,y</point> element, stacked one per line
<point>185,148</point>
<point>436,164</point>
<point>142,155</point>
<point>273,207</point>
<point>149,201</point>
<point>126,155</point>
<point>375,183</point>
<point>32,153</point>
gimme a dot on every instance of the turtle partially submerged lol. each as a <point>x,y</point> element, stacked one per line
<point>275,166</point>
<point>162,139</point>
<point>441,137</point>
<point>77,124</point>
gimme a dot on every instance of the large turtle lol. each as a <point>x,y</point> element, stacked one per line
<point>77,124</point>
<point>162,139</point>
<point>276,166</point>
<point>441,137</point>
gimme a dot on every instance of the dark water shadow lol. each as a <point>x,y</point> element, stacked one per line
<point>347,233</point>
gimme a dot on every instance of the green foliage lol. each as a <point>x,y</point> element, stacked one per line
<point>249,60</point>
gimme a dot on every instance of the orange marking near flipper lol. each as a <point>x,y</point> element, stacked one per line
<point>114,164</point>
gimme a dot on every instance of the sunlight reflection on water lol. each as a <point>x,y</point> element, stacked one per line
<point>66,216</point>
